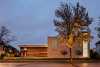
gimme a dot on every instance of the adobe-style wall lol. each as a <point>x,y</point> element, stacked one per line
<point>55,49</point>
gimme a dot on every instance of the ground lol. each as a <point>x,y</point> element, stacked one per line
<point>49,64</point>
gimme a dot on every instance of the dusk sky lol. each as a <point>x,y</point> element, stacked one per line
<point>31,21</point>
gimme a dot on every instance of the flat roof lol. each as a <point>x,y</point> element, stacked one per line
<point>34,45</point>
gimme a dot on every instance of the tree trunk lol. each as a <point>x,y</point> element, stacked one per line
<point>70,55</point>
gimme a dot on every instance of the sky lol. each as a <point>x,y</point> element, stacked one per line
<point>31,21</point>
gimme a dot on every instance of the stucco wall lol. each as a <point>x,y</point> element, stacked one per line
<point>54,49</point>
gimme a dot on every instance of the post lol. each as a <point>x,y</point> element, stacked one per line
<point>70,55</point>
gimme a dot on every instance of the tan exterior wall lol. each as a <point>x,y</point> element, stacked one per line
<point>54,49</point>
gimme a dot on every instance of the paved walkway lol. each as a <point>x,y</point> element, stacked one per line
<point>49,64</point>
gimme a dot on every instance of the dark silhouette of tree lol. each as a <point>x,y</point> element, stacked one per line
<point>98,29</point>
<point>98,34</point>
<point>5,40</point>
<point>68,15</point>
<point>94,55</point>
<point>70,20</point>
<point>5,35</point>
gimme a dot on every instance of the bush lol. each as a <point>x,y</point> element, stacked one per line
<point>2,56</point>
<point>94,55</point>
<point>78,52</point>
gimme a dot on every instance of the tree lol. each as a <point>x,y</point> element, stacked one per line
<point>98,34</point>
<point>70,20</point>
<point>5,40</point>
<point>98,29</point>
<point>5,35</point>
<point>94,55</point>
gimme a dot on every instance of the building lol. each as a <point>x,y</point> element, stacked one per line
<point>33,50</point>
<point>54,49</point>
<point>80,48</point>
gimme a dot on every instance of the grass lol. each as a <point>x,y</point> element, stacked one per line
<point>46,59</point>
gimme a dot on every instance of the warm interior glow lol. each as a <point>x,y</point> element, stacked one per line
<point>85,49</point>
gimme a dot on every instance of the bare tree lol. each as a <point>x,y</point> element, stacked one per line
<point>68,15</point>
<point>5,35</point>
<point>6,39</point>
<point>98,29</point>
<point>70,20</point>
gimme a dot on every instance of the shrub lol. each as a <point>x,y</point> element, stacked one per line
<point>94,55</point>
<point>2,56</point>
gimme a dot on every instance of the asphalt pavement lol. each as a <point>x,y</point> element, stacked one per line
<point>49,64</point>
